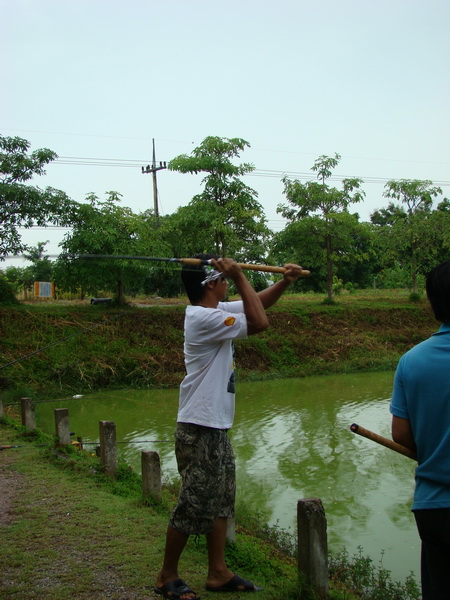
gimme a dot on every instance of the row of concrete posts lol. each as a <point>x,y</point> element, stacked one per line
<point>311,519</point>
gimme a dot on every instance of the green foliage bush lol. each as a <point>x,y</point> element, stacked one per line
<point>414,297</point>
<point>7,293</point>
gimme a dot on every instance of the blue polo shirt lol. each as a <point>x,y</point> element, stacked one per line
<point>421,394</point>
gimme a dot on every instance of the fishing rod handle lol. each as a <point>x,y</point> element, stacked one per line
<point>192,261</point>
<point>269,269</point>
<point>262,268</point>
<point>244,266</point>
<point>375,437</point>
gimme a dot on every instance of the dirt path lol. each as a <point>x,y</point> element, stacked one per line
<point>61,542</point>
<point>11,484</point>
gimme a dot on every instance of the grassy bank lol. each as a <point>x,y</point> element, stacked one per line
<point>52,349</point>
<point>69,531</point>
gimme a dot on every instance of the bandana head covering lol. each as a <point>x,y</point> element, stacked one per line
<point>211,276</point>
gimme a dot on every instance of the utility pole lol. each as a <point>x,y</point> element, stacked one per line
<point>152,169</point>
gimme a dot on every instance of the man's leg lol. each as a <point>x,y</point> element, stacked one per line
<point>434,530</point>
<point>175,543</point>
<point>218,572</point>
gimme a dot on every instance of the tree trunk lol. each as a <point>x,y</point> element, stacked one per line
<point>120,293</point>
<point>414,272</point>
<point>329,270</point>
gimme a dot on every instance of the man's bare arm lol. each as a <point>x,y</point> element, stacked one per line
<point>254,310</point>
<point>271,294</point>
<point>402,432</point>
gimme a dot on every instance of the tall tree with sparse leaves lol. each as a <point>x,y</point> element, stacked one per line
<point>320,213</point>
<point>226,216</point>
<point>409,233</point>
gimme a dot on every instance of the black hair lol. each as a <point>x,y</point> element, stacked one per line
<point>438,291</point>
<point>192,277</point>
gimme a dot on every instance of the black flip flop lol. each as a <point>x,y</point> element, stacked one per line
<point>175,589</point>
<point>236,584</point>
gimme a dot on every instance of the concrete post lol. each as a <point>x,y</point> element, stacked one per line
<point>312,543</point>
<point>151,475</point>
<point>108,455</point>
<point>62,429</point>
<point>231,529</point>
<point>28,415</point>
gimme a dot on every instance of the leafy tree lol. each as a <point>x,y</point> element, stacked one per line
<point>296,243</point>
<point>408,233</point>
<point>359,264</point>
<point>104,228</point>
<point>7,291</point>
<point>25,205</point>
<point>42,267</point>
<point>40,270</point>
<point>415,193</point>
<point>441,227</point>
<point>388,215</point>
<point>226,216</point>
<point>21,278</point>
<point>323,213</point>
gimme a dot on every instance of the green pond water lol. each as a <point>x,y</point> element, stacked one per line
<point>291,440</point>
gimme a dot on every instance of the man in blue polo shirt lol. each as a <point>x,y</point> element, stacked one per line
<point>421,421</point>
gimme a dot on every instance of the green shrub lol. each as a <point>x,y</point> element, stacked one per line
<point>7,294</point>
<point>415,297</point>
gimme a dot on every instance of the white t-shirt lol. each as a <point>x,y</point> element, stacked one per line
<point>207,391</point>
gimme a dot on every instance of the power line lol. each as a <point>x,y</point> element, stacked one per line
<point>190,142</point>
<point>46,227</point>
<point>269,173</point>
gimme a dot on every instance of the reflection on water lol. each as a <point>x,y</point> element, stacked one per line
<point>292,440</point>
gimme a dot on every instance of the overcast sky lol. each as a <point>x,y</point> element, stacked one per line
<point>297,79</point>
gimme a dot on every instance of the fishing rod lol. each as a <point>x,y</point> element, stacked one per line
<point>191,261</point>
<point>185,261</point>
<point>370,435</point>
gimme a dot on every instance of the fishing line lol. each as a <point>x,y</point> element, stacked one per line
<point>8,446</point>
<point>184,261</point>
<point>64,339</point>
<point>46,401</point>
<point>85,329</point>
<point>129,442</point>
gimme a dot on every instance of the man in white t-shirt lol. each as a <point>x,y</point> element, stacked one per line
<point>206,412</point>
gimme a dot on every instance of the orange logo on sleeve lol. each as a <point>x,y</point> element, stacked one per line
<point>229,321</point>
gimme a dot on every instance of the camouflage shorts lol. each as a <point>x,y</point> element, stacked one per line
<point>208,487</point>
